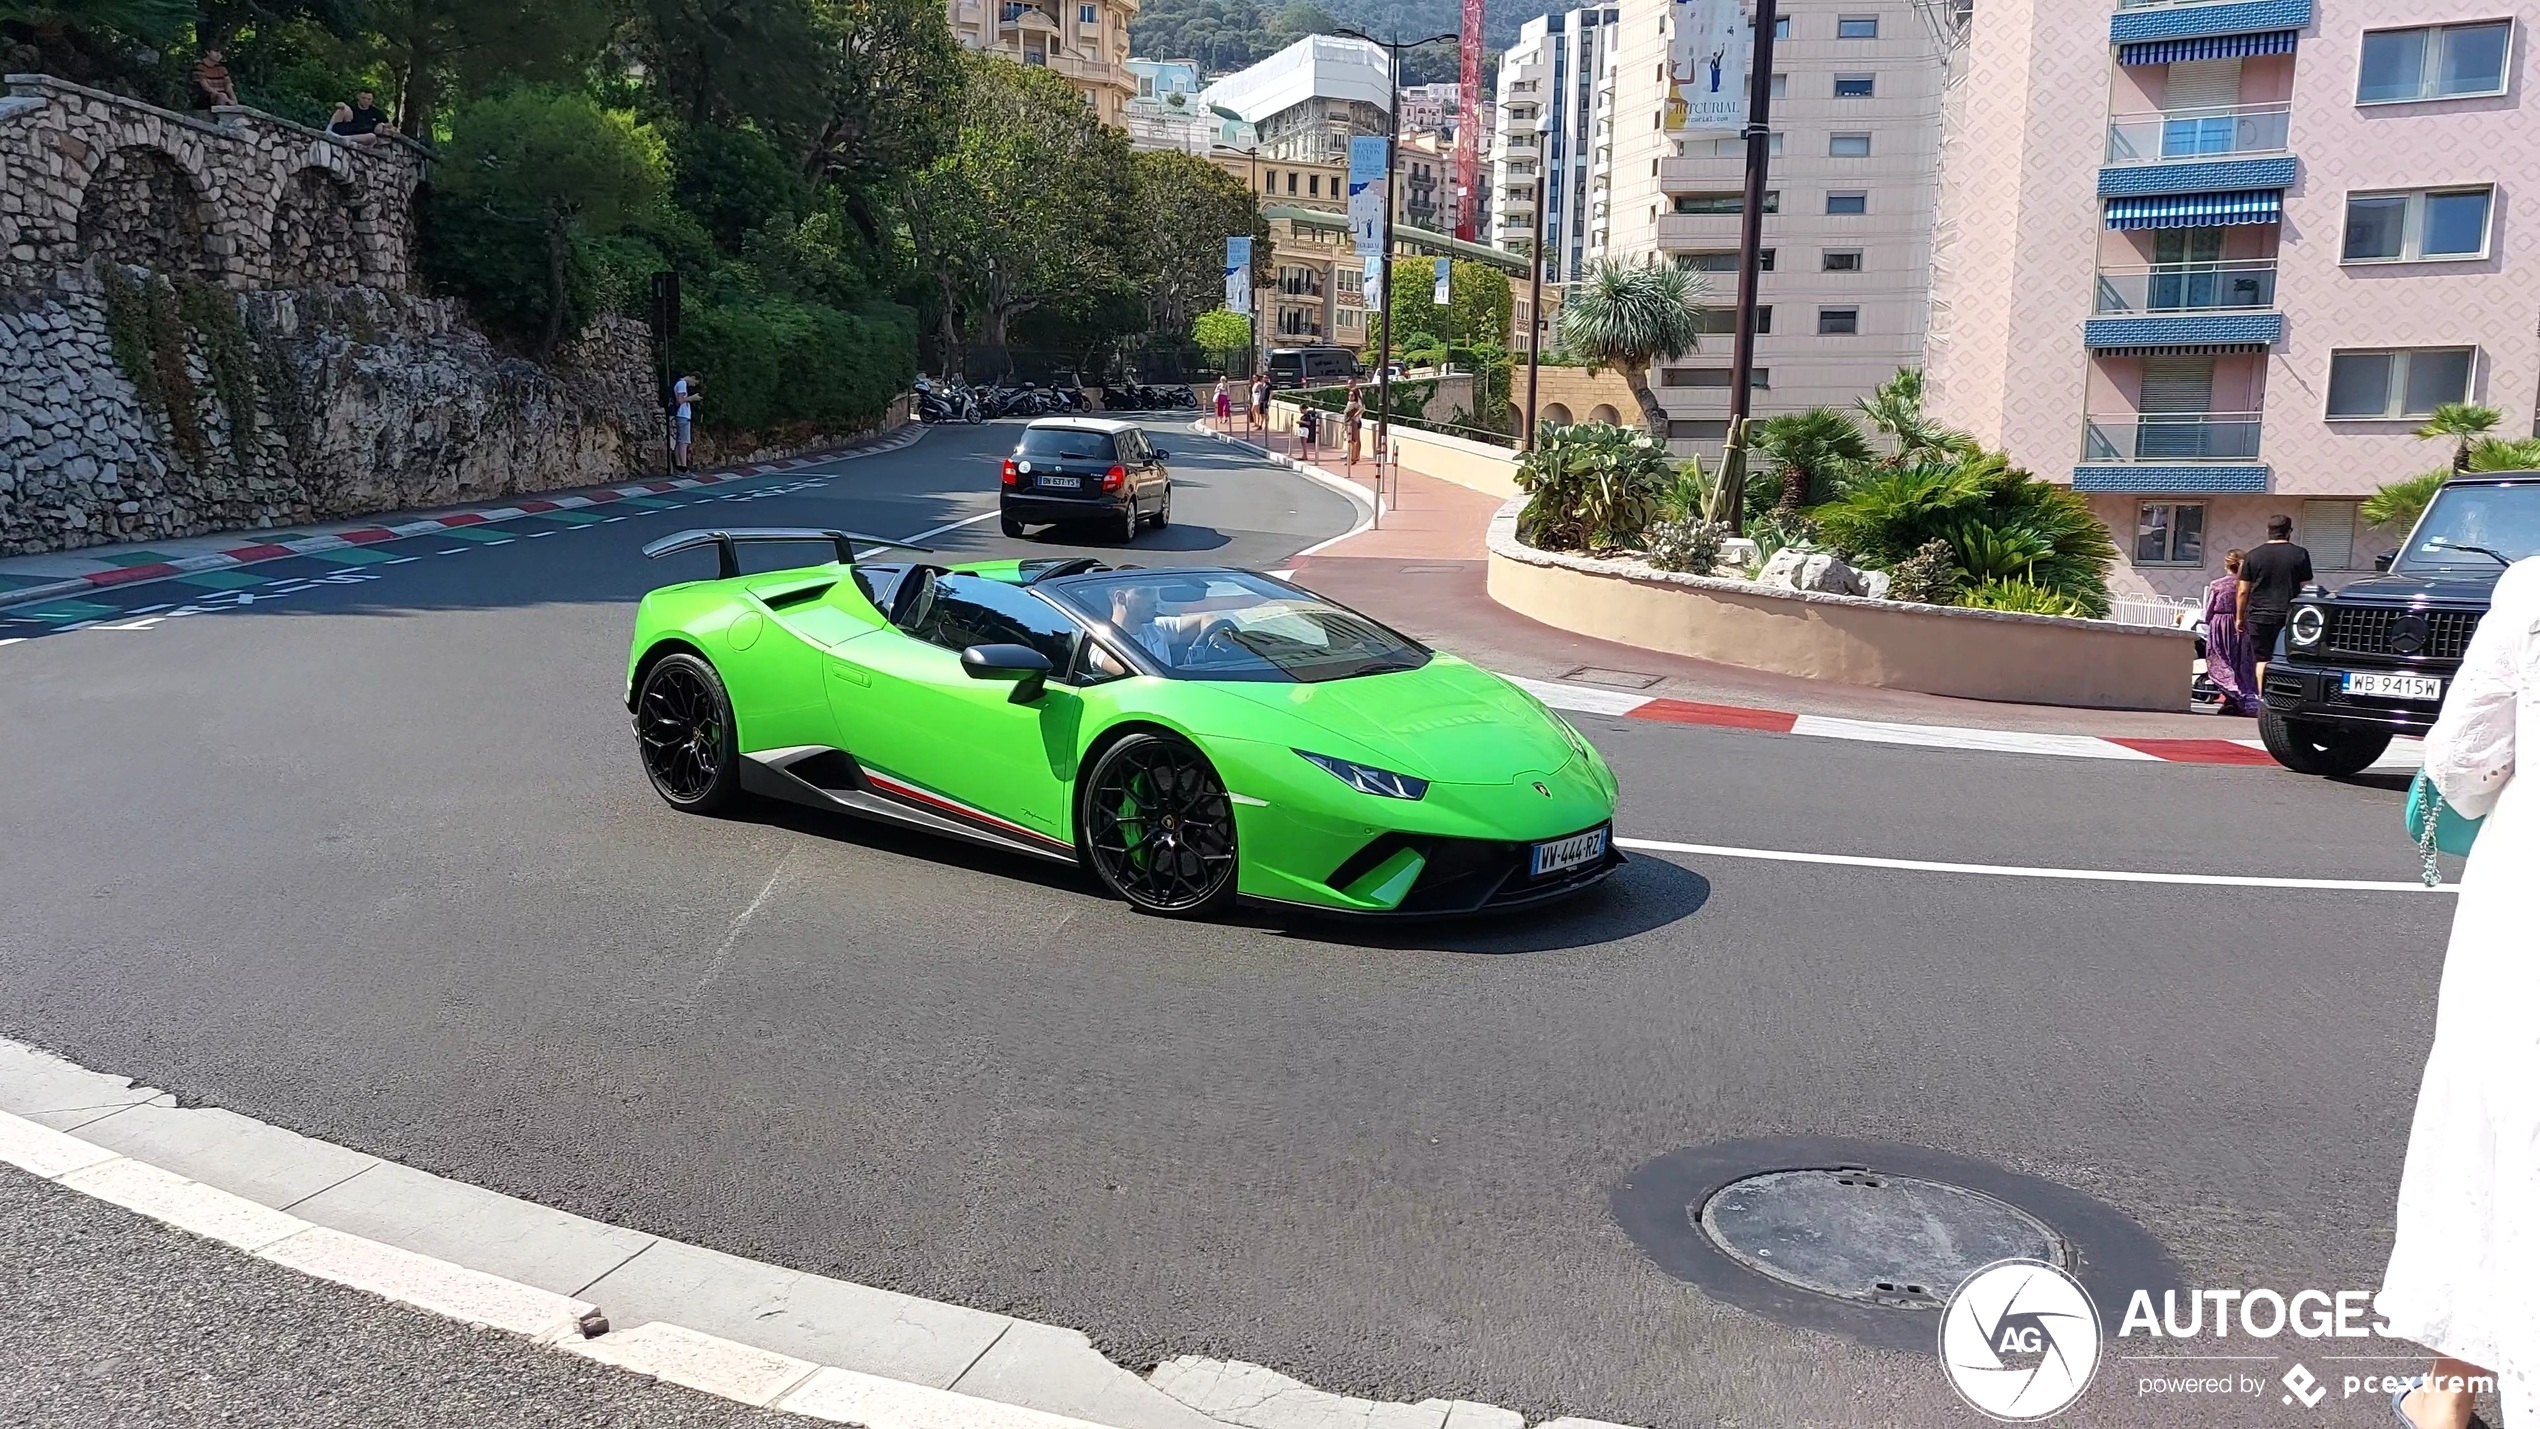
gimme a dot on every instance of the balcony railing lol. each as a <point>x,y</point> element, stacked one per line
<point>2170,436</point>
<point>2187,287</point>
<point>2197,133</point>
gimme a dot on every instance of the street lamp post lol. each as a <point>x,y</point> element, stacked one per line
<point>1750,246</point>
<point>1534,296</point>
<point>1384,274</point>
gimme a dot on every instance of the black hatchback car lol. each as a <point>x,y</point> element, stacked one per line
<point>1085,471</point>
<point>2375,659</point>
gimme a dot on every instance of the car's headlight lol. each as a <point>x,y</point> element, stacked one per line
<point>1367,778</point>
<point>2307,625</point>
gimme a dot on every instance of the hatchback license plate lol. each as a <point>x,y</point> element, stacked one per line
<point>2394,687</point>
<point>1063,483</point>
<point>1554,855</point>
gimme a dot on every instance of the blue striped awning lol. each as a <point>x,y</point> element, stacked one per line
<point>2197,210</point>
<point>2208,47</point>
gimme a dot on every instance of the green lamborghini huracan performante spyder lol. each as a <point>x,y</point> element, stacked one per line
<point>1192,735</point>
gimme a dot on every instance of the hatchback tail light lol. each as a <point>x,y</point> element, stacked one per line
<point>1007,478</point>
<point>1111,479</point>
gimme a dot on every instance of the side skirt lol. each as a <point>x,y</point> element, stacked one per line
<point>830,779</point>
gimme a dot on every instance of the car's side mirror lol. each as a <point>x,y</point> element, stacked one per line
<point>1028,668</point>
<point>1160,454</point>
<point>2382,561</point>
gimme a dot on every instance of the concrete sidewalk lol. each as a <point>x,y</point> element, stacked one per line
<point>1423,570</point>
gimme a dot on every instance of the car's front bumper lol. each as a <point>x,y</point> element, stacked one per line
<point>2316,694</point>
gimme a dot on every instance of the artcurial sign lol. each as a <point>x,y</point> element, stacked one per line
<point>1709,62</point>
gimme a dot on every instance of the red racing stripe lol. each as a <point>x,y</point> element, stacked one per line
<point>132,573</point>
<point>923,796</point>
<point>464,518</point>
<point>1725,716</point>
<point>2197,751</point>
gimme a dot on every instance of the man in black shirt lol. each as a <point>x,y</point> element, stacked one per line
<point>2269,576</point>
<point>366,116</point>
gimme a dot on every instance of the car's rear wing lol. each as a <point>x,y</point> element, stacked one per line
<point>727,543</point>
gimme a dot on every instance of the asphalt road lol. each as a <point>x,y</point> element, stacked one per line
<point>375,861</point>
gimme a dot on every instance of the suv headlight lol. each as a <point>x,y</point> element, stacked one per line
<point>2309,622</point>
<point>1367,778</point>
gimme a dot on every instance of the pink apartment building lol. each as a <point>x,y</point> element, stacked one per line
<point>2213,260</point>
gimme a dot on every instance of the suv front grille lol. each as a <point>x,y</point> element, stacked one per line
<point>2369,630</point>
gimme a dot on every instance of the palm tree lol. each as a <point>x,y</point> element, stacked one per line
<point>1809,449</point>
<point>2397,506</point>
<point>1895,411</point>
<point>2463,422</point>
<point>1628,316</point>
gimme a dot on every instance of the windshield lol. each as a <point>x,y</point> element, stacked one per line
<point>1065,444</point>
<point>2471,529</point>
<point>1227,625</point>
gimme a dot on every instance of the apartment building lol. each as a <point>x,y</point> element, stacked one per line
<point>1546,98</point>
<point>1306,101</point>
<point>1857,88</point>
<point>2214,260</point>
<point>1085,41</point>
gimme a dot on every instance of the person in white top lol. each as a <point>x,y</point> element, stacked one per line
<point>683,397</point>
<point>2464,1276</point>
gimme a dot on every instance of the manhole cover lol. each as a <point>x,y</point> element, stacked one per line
<point>1618,679</point>
<point>1871,1236</point>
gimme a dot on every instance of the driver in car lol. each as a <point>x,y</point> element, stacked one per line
<point>1134,615</point>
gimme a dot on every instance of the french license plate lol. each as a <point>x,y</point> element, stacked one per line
<point>1063,483</point>
<point>1554,855</point>
<point>2394,687</point>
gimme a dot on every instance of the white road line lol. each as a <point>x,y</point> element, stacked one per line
<point>2001,741</point>
<point>954,525</point>
<point>1999,870</point>
<point>534,535</point>
<point>155,609</point>
<point>401,560</point>
<point>503,542</point>
<point>13,640</point>
<point>142,624</point>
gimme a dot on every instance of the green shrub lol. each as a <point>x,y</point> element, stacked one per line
<point>2022,596</point>
<point>1592,486</point>
<point>1685,543</point>
<point>1930,576</point>
<point>771,361</point>
<point>732,181</point>
<point>1997,519</point>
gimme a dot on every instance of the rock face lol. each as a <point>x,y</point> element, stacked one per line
<point>1794,569</point>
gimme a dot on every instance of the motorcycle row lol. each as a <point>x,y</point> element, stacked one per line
<point>960,402</point>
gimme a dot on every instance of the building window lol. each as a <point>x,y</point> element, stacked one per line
<point>1720,322</point>
<point>1314,184</point>
<point>2169,533</point>
<point>1732,202</point>
<point>1722,260</point>
<point>1847,202</point>
<point>1843,260</point>
<point>1838,322</point>
<point>1857,27</point>
<point>1848,146</point>
<point>1855,86</point>
<point>1088,15</point>
<point>1291,181</point>
<point>1736,148</point>
<point>2405,382</point>
<point>1035,57</point>
<point>1711,379</point>
<point>2431,224</point>
<point>1701,429</point>
<point>2439,62</point>
<point>2328,533</point>
<point>1781,27</point>
<point>1781,86</point>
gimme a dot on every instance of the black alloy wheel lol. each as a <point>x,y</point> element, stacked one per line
<point>1012,528</point>
<point>1130,521</point>
<point>1158,828</point>
<point>683,726</point>
<point>1163,516</point>
<point>2314,747</point>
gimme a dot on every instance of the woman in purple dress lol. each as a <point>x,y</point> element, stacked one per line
<point>2229,662</point>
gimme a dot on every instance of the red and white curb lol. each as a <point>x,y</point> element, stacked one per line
<point>256,551</point>
<point>1588,699</point>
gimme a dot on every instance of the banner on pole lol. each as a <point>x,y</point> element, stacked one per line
<point>1239,275</point>
<point>1367,157</point>
<point>1371,288</point>
<point>1709,65</point>
<point>1438,297</point>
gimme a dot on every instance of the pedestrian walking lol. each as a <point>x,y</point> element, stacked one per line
<point>2270,577</point>
<point>1261,401</point>
<point>2467,1252</point>
<point>1225,406</point>
<point>1305,422</point>
<point>683,399</point>
<point>1353,417</point>
<point>2230,661</point>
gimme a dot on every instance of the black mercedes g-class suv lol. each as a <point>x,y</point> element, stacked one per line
<point>2375,659</point>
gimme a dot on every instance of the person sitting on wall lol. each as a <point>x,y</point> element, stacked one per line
<point>367,119</point>
<point>340,123</point>
<point>212,84</point>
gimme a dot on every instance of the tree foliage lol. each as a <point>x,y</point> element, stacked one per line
<point>1181,211</point>
<point>1591,487</point>
<point>1627,316</point>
